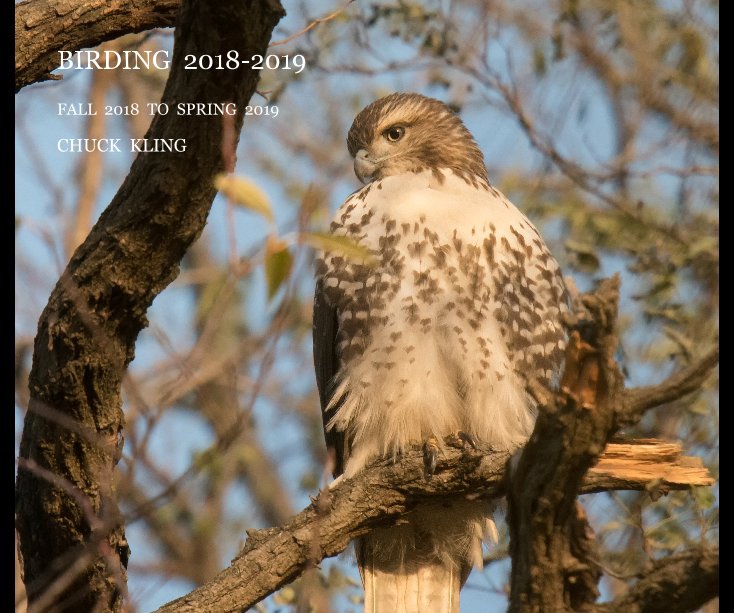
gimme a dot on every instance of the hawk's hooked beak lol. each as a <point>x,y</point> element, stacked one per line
<point>364,167</point>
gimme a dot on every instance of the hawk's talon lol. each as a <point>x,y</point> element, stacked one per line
<point>460,440</point>
<point>467,438</point>
<point>430,456</point>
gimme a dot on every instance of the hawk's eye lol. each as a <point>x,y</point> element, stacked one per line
<point>395,133</point>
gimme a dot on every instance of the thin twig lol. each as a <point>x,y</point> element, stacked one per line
<point>312,25</point>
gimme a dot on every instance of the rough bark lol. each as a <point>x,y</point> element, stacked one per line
<point>86,333</point>
<point>45,27</point>
<point>273,557</point>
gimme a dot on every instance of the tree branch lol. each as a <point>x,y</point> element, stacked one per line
<point>87,332</point>
<point>638,400</point>
<point>385,491</point>
<point>45,27</point>
<point>680,583</point>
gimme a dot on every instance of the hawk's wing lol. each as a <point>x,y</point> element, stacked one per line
<point>326,361</point>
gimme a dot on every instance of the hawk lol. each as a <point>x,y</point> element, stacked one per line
<point>433,337</point>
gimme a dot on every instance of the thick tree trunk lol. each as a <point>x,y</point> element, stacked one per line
<point>71,534</point>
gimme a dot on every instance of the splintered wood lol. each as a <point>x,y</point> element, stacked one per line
<point>580,378</point>
<point>649,464</point>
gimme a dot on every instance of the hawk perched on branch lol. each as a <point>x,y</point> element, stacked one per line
<point>433,337</point>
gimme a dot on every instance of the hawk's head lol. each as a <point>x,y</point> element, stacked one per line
<point>403,133</point>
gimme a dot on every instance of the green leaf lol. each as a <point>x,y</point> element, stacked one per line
<point>703,496</point>
<point>663,286</point>
<point>693,47</point>
<point>671,312</point>
<point>586,258</point>
<point>278,264</point>
<point>342,245</point>
<point>209,295</point>
<point>245,194</point>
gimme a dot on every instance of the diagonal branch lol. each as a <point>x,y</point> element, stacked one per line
<point>385,491</point>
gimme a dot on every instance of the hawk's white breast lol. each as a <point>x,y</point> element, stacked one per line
<point>434,339</point>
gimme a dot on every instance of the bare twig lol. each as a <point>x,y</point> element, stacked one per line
<point>312,25</point>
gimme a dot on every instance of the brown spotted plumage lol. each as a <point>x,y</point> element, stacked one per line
<point>435,336</point>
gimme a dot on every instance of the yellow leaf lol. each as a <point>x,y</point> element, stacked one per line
<point>285,596</point>
<point>209,294</point>
<point>244,193</point>
<point>278,264</point>
<point>342,245</point>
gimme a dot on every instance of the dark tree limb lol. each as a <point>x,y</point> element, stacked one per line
<point>553,567</point>
<point>45,27</point>
<point>570,433</point>
<point>385,491</point>
<point>638,400</point>
<point>86,334</point>
<point>680,583</point>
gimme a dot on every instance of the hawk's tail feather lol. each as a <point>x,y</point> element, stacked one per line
<point>410,588</point>
<point>409,579</point>
<point>420,564</point>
